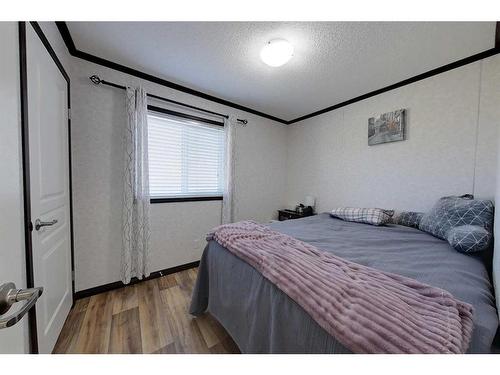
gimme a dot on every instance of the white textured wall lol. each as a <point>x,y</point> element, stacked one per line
<point>448,115</point>
<point>490,114</point>
<point>326,156</point>
<point>178,229</point>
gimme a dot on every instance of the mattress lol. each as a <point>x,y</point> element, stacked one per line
<point>262,319</point>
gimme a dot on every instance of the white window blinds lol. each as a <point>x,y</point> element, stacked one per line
<point>186,157</point>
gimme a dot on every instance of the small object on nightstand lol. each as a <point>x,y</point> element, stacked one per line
<point>291,214</point>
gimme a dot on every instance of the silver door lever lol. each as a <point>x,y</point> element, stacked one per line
<point>39,224</point>
<point>10,295</point>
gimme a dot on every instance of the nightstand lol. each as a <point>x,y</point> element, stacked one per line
<point>289,215</point>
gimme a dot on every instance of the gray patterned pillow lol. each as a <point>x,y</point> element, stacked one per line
<point>452,212</point>
<point>469,238</point>
<point>407,218</point>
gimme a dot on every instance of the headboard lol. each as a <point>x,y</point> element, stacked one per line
<point>496,261</point>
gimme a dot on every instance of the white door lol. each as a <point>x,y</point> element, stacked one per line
<point>49,178</point>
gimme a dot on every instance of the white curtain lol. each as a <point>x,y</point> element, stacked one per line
<point>135,212</point>
<point>228,197</point>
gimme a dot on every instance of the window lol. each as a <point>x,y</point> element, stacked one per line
<point>186,157</point>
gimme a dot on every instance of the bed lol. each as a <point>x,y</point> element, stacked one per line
<point>262,319</point>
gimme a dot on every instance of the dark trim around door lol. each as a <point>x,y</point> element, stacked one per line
<point>497,36</point>
<point>28,226</point>
<point>118,284</point>
<point>49,49</point>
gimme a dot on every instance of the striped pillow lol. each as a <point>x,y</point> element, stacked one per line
<point>373,216</point>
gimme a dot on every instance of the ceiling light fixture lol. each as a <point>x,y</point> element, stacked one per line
<point>277,52</point>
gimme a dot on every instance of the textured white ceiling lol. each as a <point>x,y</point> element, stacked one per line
<point>333,61</point>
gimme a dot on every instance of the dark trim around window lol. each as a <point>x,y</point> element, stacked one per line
<point>184,115</point>
<point>185,199</point>
<point>189,117</point>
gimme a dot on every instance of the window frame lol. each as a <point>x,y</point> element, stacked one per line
<point>152,108</point>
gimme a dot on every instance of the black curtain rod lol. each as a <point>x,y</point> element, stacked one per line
<point>96,80</point>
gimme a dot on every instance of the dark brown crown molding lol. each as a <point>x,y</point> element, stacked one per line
<point>430,73</point>
<point>63,29</point>
<point>68,40</point>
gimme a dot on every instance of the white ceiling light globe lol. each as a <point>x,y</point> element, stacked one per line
<point>277,52</point>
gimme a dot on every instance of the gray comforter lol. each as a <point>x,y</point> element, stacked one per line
<point>262,319</point>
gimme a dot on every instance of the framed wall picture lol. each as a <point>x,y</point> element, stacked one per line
<point>389,127</point>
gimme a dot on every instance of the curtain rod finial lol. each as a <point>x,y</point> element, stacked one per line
<point>95,79</point>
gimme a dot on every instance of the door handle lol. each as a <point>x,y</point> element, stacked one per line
<point>39,224</point>
<point>10,295</point>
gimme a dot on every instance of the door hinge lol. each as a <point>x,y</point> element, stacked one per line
<point>73,275</point>
<point>30,226</point>
<point>69,113</point>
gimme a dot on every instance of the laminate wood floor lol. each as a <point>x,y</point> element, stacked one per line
<point>148,317</point>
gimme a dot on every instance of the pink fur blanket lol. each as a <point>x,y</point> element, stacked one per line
<point>367,310</point>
